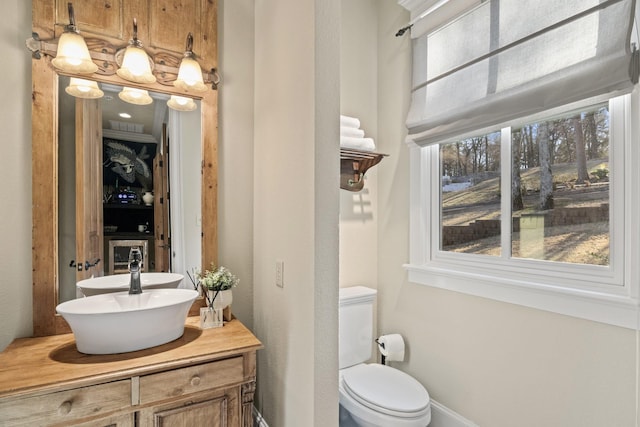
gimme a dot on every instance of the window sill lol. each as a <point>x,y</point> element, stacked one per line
<point>612,309</point>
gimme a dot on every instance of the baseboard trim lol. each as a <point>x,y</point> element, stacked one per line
<point>258,420</point>
<point>441,416</point>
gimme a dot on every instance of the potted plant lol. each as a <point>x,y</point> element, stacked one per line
<point>216,285</point>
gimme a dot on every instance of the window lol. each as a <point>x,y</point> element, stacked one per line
<point>470,195</point>
<point>560,188</point>
<point>559,192</point>
<point>540,212</point>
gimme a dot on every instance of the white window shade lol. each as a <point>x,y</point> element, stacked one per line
<point>508,58</point>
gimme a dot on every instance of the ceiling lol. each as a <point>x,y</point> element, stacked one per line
<point>145,121</point>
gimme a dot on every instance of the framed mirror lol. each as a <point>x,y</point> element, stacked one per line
<point>45,131</point>
<point>137,171</point>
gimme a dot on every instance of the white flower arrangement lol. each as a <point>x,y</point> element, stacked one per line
<point>217,279</point>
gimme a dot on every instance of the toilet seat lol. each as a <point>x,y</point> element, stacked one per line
<point>386,390</point>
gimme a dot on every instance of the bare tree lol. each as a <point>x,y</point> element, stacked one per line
<point>475,146</point>
<point>563,141</point>
<point>581,155</point>
<point>591,135</point>
<point>458,159</point>
<point>486,153</point>
<point>546,175</point>
<point>530,157</point>
<point>516,184</point>
<point>466,150</point>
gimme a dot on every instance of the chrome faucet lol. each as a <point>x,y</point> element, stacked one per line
<point>135,264</point>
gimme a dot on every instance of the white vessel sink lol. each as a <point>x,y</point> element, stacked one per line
<point>119,322</point>
<point>120,282</point>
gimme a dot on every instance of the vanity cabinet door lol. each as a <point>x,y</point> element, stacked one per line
<point>215,408</point>
<point>201,395</point>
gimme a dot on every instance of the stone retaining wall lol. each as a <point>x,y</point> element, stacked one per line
<point>481,229</point>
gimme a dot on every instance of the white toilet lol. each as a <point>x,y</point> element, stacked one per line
<point>373,395</point>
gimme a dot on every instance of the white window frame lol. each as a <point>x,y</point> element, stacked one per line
<point>599,293</point>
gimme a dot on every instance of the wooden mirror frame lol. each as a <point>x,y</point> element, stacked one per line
<point>44,116</point>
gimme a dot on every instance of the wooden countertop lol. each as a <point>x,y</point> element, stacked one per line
<point>45,364</point>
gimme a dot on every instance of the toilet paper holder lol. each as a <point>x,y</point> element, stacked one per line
<point>383,358</point>
<point>391,348</point>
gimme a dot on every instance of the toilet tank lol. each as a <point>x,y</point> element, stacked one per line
<point>355,325</point>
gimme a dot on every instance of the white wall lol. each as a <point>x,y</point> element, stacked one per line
<point>15,173</point>
<point>497,364</point>
<point>296,209</point>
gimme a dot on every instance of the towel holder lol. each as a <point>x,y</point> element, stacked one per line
<point>353,165</point>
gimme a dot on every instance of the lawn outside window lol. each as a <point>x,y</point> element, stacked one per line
<point>570,241</point>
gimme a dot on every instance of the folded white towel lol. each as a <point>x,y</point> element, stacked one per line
<point>352,132</point>
<point>351,122</point>
<point>365,144</point>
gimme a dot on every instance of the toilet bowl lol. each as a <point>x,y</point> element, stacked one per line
<point>371,394</point>
<point>380,396</point>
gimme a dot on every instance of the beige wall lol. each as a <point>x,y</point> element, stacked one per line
<point>15,173</point>
<point>359,98</point>
<point>296,209</point>
<point>498,364</point>
<point>235,149</point>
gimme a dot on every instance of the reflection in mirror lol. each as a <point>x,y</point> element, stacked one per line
<point>137,167</point>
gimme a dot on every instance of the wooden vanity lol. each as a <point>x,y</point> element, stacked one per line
<point>206,377</point>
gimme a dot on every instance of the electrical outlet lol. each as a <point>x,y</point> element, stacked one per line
<point>280,274</point>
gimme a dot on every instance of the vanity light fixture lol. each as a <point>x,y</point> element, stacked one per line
<point>136,64</point>
<point>81,88</point>
<point>135,96</point>
<point>181,103</point>
<point>132,62</point>
<point>73,55</point>
<point>190,74</point>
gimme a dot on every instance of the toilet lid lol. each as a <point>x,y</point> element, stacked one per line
<point>385,389</point>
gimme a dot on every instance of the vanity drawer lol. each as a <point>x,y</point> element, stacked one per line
<point>183,381</point>
<point>65,406</point>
